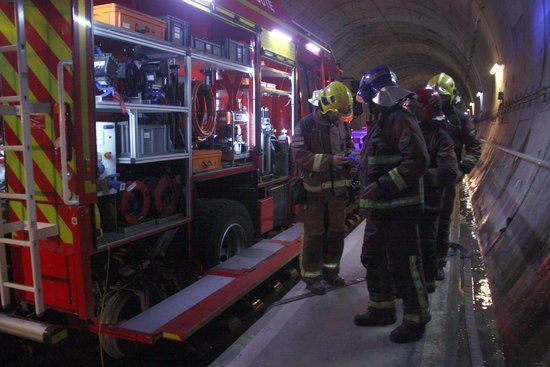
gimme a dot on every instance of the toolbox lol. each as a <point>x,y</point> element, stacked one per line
<point>208,47</point>
<point>129,19</point>
<point>177,30</point>
<point>206,160</point>
<point>238,52</point>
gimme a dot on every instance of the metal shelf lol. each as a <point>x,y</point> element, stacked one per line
<point>268,72</point>
<point>115,239</point>
<point>120,34</point>
<point>276,92</point>
<point>153,158</point>
<point>115,107</point>
<point>221,62</point>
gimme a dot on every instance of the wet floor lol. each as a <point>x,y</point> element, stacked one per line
<point>489,342</point>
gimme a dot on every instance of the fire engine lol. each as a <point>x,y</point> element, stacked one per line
<point>146,149</point>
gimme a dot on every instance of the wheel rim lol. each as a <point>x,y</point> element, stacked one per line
<point>233,241</point>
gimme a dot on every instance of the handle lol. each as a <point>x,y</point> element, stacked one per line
<point>65,174</point>
<point>142,30</point>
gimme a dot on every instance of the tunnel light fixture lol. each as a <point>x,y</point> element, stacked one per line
<point>472,107</point>
<point>480,96</point>
<point>281,35</point>
<point>497,67</point>
<point>313,48</point>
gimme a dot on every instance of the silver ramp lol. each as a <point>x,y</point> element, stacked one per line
<point>319,331</point>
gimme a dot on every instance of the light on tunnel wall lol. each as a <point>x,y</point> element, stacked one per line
<point>480,96</point>
<point>281,36</point>
<point>313,48</point>
<point>498,71</point>
<point>497,68</point>
<point>472,108</point>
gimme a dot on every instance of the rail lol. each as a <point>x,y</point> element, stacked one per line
<point>525,157</point>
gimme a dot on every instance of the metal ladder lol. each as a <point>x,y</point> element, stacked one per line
<point>21,107</point>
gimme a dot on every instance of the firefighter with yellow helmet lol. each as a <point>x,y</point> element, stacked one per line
<point>467,150</point>
<point>319,148</point>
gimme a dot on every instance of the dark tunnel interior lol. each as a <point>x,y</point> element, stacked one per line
<point>490,48</point>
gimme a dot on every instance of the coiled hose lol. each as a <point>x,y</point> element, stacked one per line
<point>204,111</point>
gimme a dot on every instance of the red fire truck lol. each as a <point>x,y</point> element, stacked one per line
<point>146,154</point>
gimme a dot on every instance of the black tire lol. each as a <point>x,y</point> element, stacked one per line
<point>223,228</point>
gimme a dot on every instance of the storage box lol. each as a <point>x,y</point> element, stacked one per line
<point>177,30</point>
<point>206,160</point>
<point>237,52</point>
<point>151,140</point>
<point>129,19</point>
<point>208,47</point>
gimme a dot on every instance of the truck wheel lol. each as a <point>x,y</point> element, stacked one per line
<point>122,305</point>
<point>223,229</point>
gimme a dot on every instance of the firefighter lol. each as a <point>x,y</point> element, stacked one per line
<point>319,147</point>
<point>393,159</point>
<point>462,131</point>
<point>442,172</point>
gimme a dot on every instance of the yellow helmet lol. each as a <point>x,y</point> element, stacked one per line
<point>444,85</point>
<point>336,97</point>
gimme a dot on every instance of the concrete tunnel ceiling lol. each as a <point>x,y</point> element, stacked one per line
<point>417,39</point>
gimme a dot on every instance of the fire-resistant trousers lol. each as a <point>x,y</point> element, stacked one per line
<point>428,244</point>
<point>391,254</point>
<point>324,219</point>
<point>445,225</point>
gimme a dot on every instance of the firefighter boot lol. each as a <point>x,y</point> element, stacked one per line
<point>335,280</point>
<point>376,317</point>
<point>407,332</point>
<point>316,286</point>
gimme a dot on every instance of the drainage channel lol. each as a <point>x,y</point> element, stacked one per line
<point>478,335</point>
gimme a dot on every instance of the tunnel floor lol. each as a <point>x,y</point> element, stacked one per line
<point>319,330</point>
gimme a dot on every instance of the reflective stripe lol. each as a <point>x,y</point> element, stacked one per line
<point>327,185</point>
<point>469,158</point>
<point>420,289</point>
<point>331,266</point>
<point>397,179</point>
<point>317,162</point>
<point>393,203</point>
<point>311,274</point>
<point>384,159</point>
<point>384,304</point>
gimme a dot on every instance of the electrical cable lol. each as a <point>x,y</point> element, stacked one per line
<point>204,111</point>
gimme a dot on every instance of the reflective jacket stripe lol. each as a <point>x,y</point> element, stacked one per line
<point>470,158</point>
<point>393,203</point>
<point>384,304</point>
<point>397,179</point>
<point>384,159</point>
<point>327,185</point>
<point>331,266</point>
<point>317,162</point>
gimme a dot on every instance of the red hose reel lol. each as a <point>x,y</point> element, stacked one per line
<point>164,195</point>
<point>154,196</point>
<point>135,202</point>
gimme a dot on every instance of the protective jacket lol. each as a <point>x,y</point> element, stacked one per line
<point>443,166</point>
<point>462,131</point>
<point>394,156</point>
<point>316,141</point>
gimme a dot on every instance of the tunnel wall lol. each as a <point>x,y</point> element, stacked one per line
<point>511,195</point>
